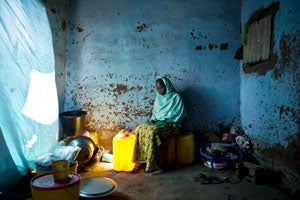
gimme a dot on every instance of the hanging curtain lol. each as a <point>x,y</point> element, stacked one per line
<point>28,96</point>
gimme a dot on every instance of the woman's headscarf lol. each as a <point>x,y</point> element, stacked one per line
<point>168,107</point>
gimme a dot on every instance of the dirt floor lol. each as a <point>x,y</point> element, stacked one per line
<point>188,182</point>
<point>182,182</point>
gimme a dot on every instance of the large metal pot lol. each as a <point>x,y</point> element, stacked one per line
<point>72,122</point>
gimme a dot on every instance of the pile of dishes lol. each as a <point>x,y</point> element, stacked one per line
<point>217,155</point>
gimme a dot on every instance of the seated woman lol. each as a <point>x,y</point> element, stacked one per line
<point>167,113</point>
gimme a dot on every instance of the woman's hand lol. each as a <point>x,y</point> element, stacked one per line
<point>153,121</point>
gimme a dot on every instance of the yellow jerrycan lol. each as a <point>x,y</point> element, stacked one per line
<point>185,149</point>
<point>123,147</point>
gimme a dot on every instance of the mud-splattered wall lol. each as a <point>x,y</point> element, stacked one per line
<point>116,50</point>
<point>270,95</point>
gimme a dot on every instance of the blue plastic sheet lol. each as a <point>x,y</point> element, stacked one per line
<point>28,96</point>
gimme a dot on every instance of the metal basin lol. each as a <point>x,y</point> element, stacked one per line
<point>88,148</point>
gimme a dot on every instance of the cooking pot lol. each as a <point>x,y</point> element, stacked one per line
<point>72,122</point>
<point>88,148</point>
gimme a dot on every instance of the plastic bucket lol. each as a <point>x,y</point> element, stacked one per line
<point>72,122</point>
<point>44,187</point>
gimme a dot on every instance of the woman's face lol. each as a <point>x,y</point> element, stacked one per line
<point>160,86</point>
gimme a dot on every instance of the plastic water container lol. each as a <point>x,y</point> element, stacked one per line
<point>168,152</point>
<point>185,149</point>
<point>123,147</point>
<point>44,187</point>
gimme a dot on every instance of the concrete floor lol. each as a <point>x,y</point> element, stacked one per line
<point>178,182</point>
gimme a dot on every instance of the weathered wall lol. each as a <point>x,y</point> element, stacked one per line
<point>270,95</point>
<point>116,50</point>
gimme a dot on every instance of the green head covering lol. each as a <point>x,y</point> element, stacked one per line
<point>168,107</point>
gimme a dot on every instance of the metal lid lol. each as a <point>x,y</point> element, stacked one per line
<point>97,187</point>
